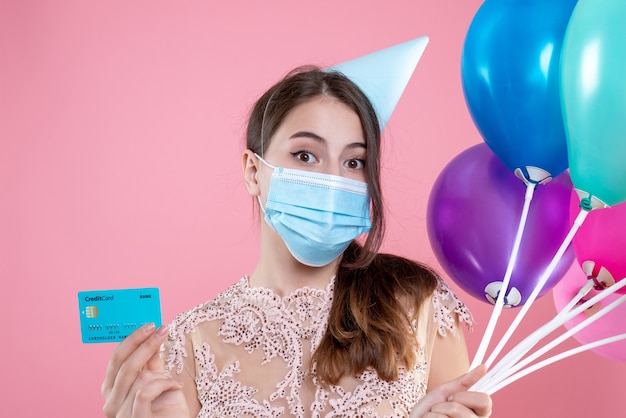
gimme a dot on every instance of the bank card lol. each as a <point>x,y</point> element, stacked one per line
<point>111,315</point>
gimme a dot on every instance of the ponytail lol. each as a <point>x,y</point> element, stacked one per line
<point>370,324</point>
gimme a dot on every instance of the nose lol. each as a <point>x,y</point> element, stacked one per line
<point>334,169</point>
<point>332,164</point>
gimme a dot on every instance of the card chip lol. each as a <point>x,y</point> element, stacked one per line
<point>91,311</point>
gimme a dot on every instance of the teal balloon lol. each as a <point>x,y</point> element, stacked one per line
<point>593,94</point>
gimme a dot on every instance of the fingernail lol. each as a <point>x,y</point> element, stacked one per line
<point>148,328</point>
<point>162,331</point>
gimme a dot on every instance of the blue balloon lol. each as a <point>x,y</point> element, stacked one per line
<point>511,79</point>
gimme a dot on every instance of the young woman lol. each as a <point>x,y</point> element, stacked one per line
<point>324,326</point>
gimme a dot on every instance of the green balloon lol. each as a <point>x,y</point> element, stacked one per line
<point>593,95</point>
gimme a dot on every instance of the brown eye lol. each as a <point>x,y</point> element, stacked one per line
<point>355,164</point>
<point>304,156</point>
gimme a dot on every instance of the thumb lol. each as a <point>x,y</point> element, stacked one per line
<point>443,392</point>
<point>156,363</point>
<point>463,382</point>
<point>468,380</point>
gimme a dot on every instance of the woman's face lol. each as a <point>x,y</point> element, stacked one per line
<point>322,135</point>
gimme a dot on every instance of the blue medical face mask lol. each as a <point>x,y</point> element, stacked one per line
<point>316,215</point>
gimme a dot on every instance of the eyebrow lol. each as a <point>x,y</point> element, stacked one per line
<point>316,137</point>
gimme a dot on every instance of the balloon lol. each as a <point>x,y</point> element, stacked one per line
<point>594,98</point>
<point>602,238</point>
<point>473,214</point>
<point>612,323</point>
<point>510,77</point>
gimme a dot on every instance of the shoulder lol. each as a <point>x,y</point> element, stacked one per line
<point>448,309</point>
<point>185,325</point>
<point>187,321</point>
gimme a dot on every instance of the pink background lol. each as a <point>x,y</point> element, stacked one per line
<point>121,126</point>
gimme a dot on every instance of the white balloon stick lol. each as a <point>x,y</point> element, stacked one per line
<point>540,283</point>
<point>529,342</point>
<point>534,356</point>
<point>581,294</point>
<point>554,359</point>
<point>497,310</point>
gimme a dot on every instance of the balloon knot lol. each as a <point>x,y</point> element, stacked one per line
<point>597,284</point>
<point>585,203</point>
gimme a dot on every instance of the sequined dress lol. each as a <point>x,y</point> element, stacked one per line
<point>250,352</point>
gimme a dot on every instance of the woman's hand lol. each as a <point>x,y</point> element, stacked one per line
<point>452,400</point>
<point>136,384</point>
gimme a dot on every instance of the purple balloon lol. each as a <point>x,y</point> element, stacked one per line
<point>473,214</point>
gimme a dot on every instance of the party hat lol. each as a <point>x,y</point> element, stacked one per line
<point>384,74</point>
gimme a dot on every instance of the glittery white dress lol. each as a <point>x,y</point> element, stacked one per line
<point>250,353</point>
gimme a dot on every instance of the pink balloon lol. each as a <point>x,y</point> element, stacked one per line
<point>602,238</point>
<point>611,324</point>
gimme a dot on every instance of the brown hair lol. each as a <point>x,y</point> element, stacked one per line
<point>369,323</point>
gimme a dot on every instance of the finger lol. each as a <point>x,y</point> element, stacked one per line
<point>464,382</point>
<point>131,367</point>
<point>122,352</point>
<point>139,358</point>
<point>478,402</point>
<point>434,415</point>
<point>467,380</point>
<point>423,407</point>
<point>443,392</point>
<point>461,383</point>
<point>452,410</point>
<point>156,363</point>
<point>142,405</point>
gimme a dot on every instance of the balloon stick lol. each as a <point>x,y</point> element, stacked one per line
<point>541,282</point>
<point>581,294</point>
<point>497,310</point>
<point>526,345</point>
<point>554,359</point>
<point>514,368</point>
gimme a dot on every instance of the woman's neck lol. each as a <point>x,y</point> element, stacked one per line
<point>279,271</point>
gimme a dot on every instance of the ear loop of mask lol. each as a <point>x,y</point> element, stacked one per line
<point>265,110</point>
<point>272,167</point>
<point>260,157</point>
<point>264,162</point>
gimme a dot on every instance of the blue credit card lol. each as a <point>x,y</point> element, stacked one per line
<point>111,315</point>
